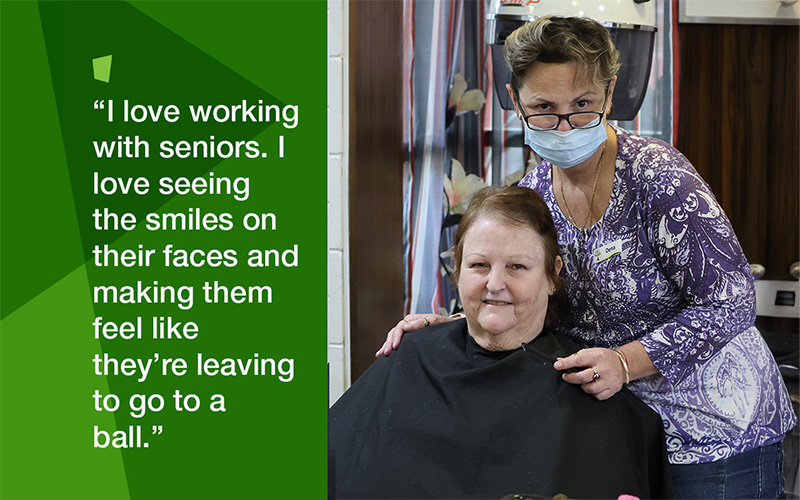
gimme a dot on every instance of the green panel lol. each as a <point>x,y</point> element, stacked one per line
<point>271,441</point>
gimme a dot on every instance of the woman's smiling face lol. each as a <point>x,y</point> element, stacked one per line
<point>503,283</point>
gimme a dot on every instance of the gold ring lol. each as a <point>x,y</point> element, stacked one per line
<point>425,320</point>
<point>596,375</point>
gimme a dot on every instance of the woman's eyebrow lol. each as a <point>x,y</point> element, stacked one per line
<point>538,100</point>
<point>541,100</point>
<point>507,257</point>
<point>587,94</point>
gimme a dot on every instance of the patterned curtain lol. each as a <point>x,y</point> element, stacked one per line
<point>444,41</point>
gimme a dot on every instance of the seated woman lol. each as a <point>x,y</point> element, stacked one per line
<point>474,408</point>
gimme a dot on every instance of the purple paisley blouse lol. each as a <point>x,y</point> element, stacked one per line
<point>663,266</point>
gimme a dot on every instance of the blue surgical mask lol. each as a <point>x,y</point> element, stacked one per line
<point>566,149</point>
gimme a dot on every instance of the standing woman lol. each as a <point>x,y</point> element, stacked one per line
<point>661,294</point>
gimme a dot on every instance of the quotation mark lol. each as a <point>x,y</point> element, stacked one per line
<point>157,429</point>
<point>100,104</point>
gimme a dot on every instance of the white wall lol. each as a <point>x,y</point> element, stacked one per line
<point>338,270</point>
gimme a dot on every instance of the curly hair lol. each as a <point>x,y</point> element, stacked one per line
<point>555,40</point>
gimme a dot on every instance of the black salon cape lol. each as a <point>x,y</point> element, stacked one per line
<point>443,418</point>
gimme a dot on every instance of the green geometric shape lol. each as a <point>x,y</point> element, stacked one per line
<point>48,216</point>
<point>102,68</point>
<point>47,411</point>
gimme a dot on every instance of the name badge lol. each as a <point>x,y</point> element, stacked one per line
<point>607,251</point>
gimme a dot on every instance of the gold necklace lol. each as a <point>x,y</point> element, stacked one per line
<point>582,228</point>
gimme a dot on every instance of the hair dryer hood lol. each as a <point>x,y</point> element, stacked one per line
<point>631,24</point>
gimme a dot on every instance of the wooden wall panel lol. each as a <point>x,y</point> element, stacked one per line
<point>375,183</point>
<point>739,124</point>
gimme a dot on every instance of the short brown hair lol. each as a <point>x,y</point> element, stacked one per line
<point>555,40</point>
<point>519,207</point>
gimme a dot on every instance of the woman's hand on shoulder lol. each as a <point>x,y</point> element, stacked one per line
<point>597,370</point>
<point>410,323</point>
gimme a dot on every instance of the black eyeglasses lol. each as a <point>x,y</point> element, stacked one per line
<point>551,121</point>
